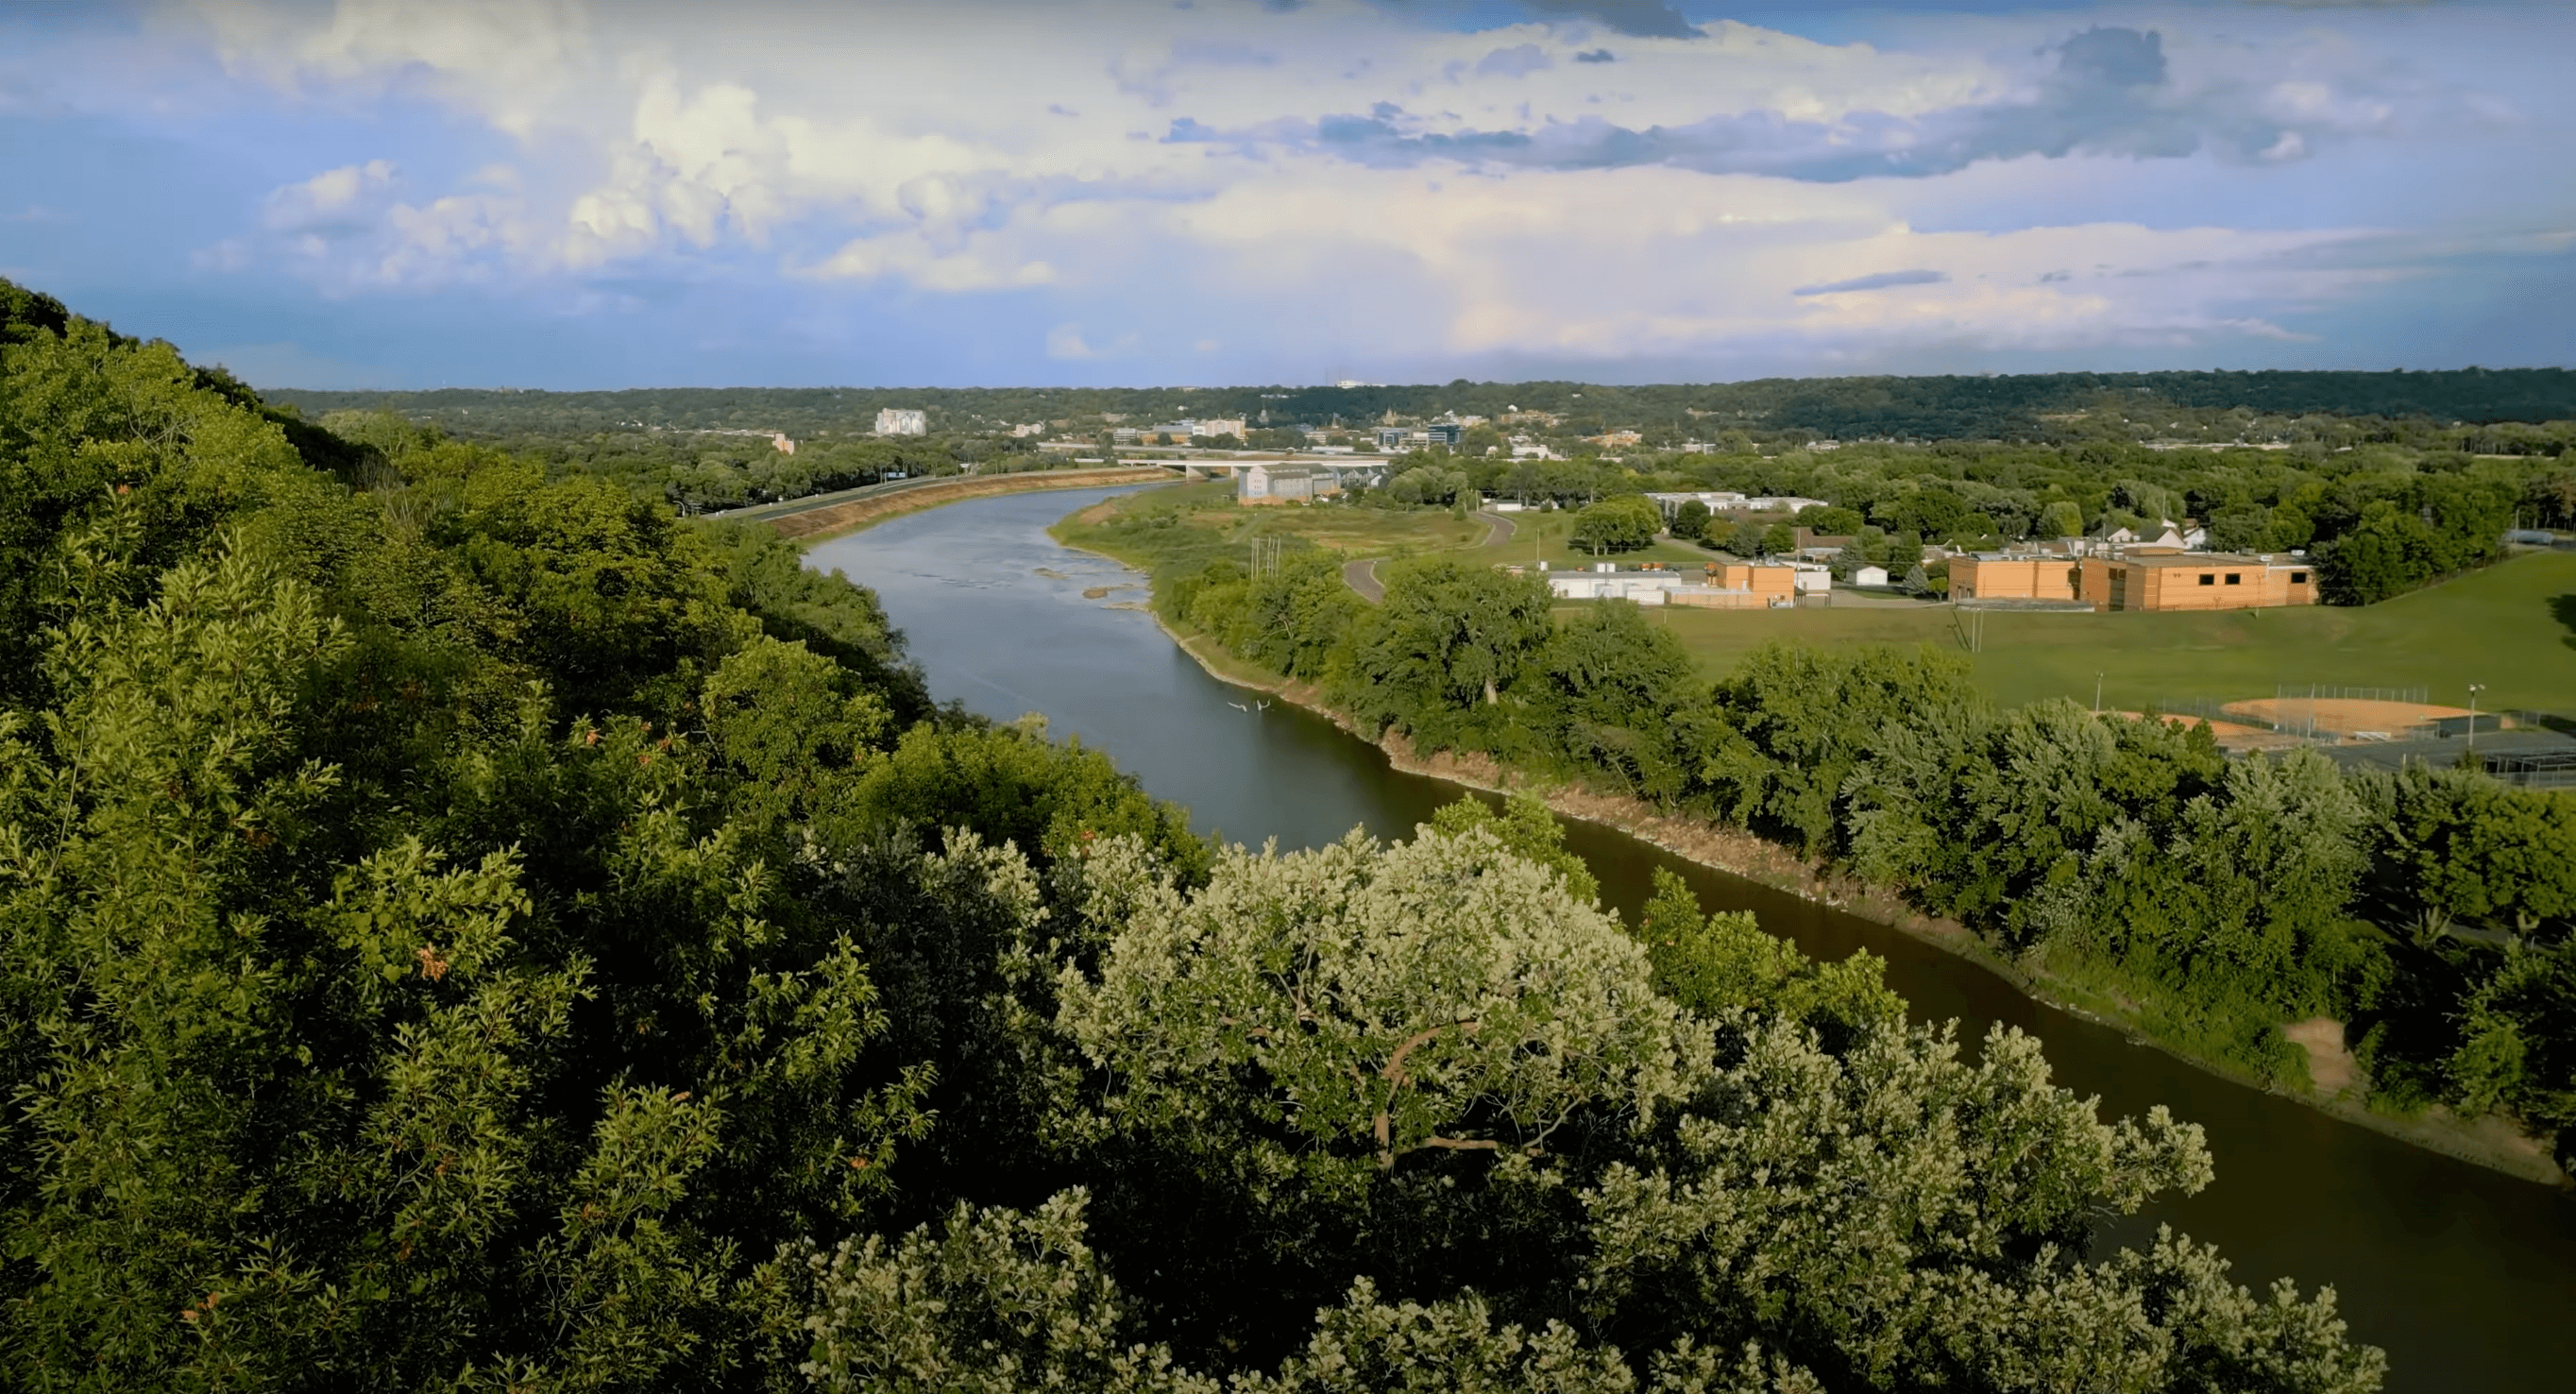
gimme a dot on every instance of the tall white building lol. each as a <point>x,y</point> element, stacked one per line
<point>897,421</point>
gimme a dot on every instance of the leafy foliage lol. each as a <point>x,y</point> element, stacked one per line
<point>461,927</point>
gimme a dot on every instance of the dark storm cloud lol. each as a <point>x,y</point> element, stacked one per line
<point>2107,94</point>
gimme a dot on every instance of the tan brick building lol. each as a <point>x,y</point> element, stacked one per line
<point>2140,580</point>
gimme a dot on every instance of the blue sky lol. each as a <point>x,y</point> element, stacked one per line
<point>575,193</point>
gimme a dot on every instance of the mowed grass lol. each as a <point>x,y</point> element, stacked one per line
<point>2511,627</point>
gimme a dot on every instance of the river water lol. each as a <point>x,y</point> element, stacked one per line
<point>2467,1277</point>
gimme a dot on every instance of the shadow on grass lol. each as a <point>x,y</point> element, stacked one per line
<point>2564,608</point>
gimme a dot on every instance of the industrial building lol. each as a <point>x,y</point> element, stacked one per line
<point>900,421</point>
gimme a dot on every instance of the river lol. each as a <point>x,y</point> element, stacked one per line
<point>2467,1277</point>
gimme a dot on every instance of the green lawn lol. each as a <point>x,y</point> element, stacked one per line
<point>2511,627</point>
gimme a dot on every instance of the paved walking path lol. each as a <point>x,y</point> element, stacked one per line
<point>1361,576</point>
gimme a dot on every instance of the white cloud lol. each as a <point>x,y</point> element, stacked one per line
<point>937,147</point>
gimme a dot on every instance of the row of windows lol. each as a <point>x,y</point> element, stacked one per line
<point>2237,578</point>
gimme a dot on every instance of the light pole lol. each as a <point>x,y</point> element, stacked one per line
<point>2474,689</point>
<point>2097,692</point>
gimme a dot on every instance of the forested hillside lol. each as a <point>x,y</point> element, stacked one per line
<point>1913,408</point>
<point>462,927</point>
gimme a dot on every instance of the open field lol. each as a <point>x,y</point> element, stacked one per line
<point>2511,627</point>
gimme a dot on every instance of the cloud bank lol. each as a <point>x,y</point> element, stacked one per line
<point>1236,189</point>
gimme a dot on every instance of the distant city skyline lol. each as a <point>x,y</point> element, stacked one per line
<point>572,195</point>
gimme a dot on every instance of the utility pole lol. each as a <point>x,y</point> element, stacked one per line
<point>2097,692</point>
<point>2474,689</point>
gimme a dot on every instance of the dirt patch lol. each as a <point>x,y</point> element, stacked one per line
<point>2331,1067</point>
<point>2340,716</point>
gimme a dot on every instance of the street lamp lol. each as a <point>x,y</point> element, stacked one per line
<point>2474,689</point>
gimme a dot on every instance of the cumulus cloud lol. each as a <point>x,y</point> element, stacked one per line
<point>1341,174</point>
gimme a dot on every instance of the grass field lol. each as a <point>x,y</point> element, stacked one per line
<point>2511,627</point>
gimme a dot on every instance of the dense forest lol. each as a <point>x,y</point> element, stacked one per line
<point>1906,408</point>
<point>2129,863</point>
<point>464,927</point>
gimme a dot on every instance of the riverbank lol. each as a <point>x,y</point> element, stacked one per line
<point>835,520</point>
<point>2488,1142</point>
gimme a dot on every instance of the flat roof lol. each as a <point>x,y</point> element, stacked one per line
<point>2215,560</point>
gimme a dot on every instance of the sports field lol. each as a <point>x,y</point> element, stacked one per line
<point>2511,627</point>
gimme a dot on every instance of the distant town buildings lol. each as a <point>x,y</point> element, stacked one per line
<point>1725,502</point>
<point>901,421</point>
<point>779,442</point>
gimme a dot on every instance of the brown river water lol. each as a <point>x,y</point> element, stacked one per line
<point>2466,1276</point>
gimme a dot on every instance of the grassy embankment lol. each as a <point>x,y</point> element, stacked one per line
<point>822,520</point>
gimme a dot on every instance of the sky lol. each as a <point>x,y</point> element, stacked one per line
<point>615,193</point>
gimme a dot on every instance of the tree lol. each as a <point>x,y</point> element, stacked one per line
<point>1621,524</point>
<point>1448,639</point>
<point>1690,521</point>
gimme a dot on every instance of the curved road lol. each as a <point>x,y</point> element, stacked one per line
<point>1361,575</point>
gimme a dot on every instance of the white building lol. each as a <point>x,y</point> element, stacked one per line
<point>1871,576</point>
<point>899,421</point>
<point>1606,582</point>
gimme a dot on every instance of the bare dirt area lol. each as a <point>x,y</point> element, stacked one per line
<point>842,517</point>
<point>2331,1066</point>
<point>2340,716</point>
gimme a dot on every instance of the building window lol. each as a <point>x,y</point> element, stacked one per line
<point>2235,578</point>
<point>2208,578</point>
<point>2298,578</point>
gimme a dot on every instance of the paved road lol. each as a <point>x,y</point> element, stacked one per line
<point>1361,576</point>
<point>1503,528</point>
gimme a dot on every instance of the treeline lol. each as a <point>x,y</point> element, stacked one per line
<point>466,928</point>
<point>2018,407</point>
<point>2130,862</point>
<point>2378,521</point>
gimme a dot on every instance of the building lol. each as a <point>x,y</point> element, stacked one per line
<point>2148,577</point>
<point>1261,484</point>
<point>899,421</point>
<point>1219,426</point>
<point>1447,433</point>
<point>1727,586</point>
<point>1872,577</point>
<point>2194,581</point>
<point>779,442</point>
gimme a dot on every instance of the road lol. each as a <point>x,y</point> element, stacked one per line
<point>1361,576</point>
